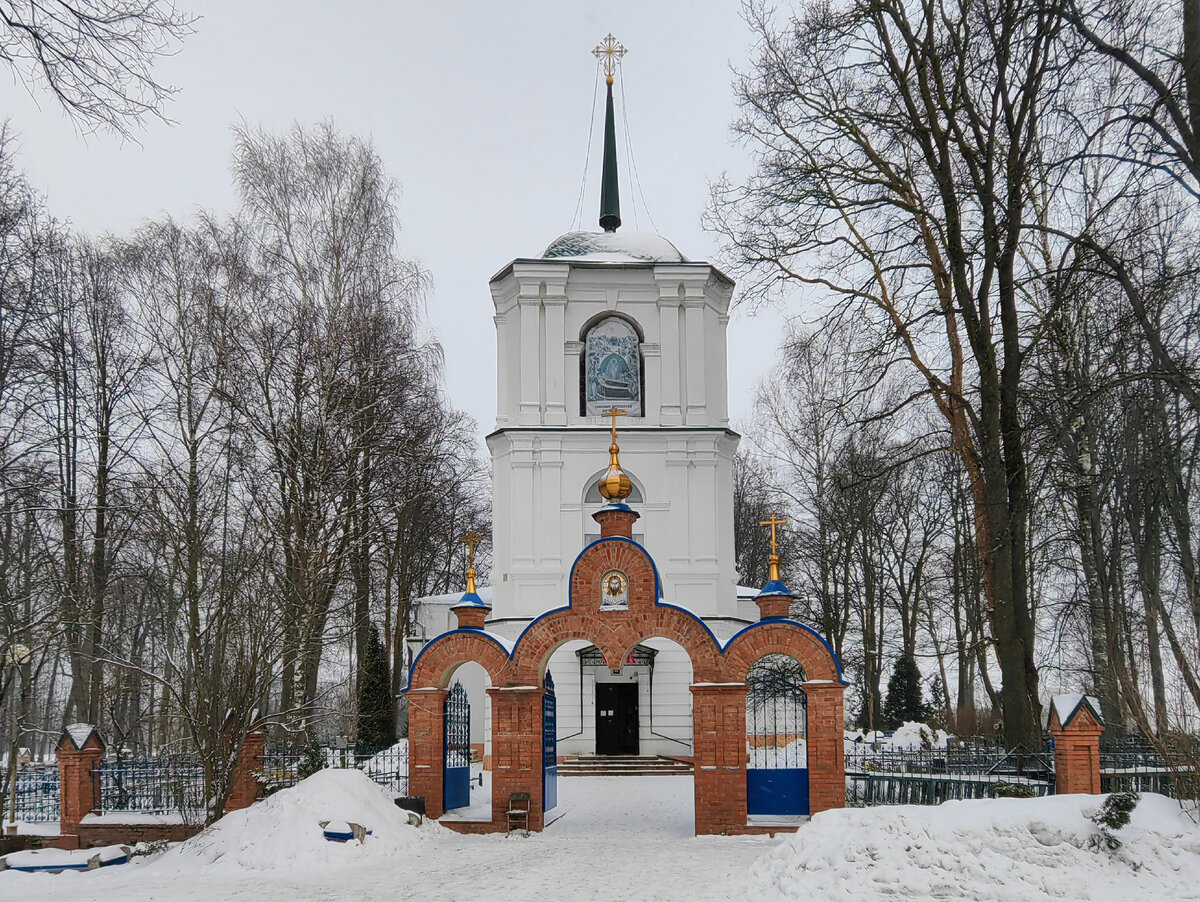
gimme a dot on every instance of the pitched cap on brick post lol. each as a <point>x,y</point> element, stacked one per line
<point>80,737</point>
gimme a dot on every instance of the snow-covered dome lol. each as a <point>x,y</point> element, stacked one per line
<point>614,247</point>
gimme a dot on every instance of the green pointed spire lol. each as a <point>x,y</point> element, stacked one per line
<point>609,52</point>
<point>610,196</point>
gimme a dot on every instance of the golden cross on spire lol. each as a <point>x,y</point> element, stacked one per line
<point>614,412</point>
<point>469,540</point>
<point>609,52</point>
<point>773,560</point>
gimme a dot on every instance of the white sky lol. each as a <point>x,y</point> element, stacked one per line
<point>478,109</point>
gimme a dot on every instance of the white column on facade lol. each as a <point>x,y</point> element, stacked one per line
<point>668,318</point>
<point>531,361</point>
<point>556,397</point>
<point>572,352</point>
<point>718,395</point>
<point>651,403</point>
<point>697,406</point>
<point>502,399</point>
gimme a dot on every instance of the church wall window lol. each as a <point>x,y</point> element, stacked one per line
<point>612,372</point>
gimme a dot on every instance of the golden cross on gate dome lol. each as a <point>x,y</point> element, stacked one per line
<point>469,540</point>
<point>614,412</point>
<point>609,52</point>
<point>773,522</point>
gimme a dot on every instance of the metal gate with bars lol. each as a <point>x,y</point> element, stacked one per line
<point>549,746</point>
<point>456,774</point>
<point>776,738</point>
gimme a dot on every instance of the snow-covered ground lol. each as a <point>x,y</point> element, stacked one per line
<point>630,838</point>
<point>610,838</point>
<point>994,850</point>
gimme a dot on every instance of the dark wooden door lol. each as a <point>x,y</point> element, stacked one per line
<point>616,719</point>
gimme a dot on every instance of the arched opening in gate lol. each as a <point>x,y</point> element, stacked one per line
<point>777,783</point>
<point>467,743</point>
<point>624,736</point>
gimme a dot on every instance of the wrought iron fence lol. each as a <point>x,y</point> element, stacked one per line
<point>282,766</point>
<point>975,770</point>
<point>166,784</point>
<point>37,793</point>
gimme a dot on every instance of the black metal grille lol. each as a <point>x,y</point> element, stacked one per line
<point>37,793</point>
<point>458,728</point>
<point>641,656</point>
<point>776,714</point>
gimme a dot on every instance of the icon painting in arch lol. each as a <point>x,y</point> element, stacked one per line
<point>614,591</point>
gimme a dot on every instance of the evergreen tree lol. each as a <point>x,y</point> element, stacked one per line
<point>376,711</point>
<point>904,702</point>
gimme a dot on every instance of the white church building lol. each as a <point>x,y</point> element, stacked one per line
<point>600,320</point>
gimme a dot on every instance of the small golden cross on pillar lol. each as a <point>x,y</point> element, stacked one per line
<point>773,560</point>
<point>609,52</point>
<point>773,522</point>
<point>614,412</point>
<point>469,540</point>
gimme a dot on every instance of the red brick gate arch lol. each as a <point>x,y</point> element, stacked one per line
<point>718,689</point>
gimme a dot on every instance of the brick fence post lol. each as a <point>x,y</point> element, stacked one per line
<point>1076,725</point>
<point>517,751</point>
<point>826,746</point>
<point>719,746</point>
<point>80,751</point>
<point>244,788</point>
<point>426,755</point>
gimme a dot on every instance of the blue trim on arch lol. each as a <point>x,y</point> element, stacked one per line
<point>458,632</point>
<point>768,620</point>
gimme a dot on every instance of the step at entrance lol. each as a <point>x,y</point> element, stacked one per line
<point>623,766</point>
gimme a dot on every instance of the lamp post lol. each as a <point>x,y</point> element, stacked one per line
<point>17,657</point>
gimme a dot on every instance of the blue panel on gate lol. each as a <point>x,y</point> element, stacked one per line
<point>456,773</point>
<point>777,791</point>
<point>549,746</point>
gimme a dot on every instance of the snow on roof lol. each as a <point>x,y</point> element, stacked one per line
<point>1068,704</point>
<point>80,733</point>
<point>452,598</point>
<point>614,247</point>
<point>507,644</point>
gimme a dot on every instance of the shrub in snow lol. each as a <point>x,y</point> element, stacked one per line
<point>1114,814</point>
<point>1003,790</point>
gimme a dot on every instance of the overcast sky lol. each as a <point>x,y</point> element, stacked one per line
<point>480,110</point>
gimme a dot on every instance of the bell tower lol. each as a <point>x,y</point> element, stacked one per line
<point>601,322</point>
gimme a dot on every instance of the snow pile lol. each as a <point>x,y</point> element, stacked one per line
<point>911,735</point>
<point>996,850</point>
<point>283,832</point>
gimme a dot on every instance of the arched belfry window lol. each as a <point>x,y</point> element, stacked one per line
<point>612,368</point>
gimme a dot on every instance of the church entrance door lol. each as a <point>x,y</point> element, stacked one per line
<point>616,718</point>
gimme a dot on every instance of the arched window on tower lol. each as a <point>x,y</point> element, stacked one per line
<point>612,368</point>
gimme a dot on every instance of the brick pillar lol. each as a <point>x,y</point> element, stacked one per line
<point>517,751</point>
<point>1076,753</point>
<point>826,746</point>
<point>719,743</point>
<point>77,787</point>
<point>244,789</point>
<point>426,738</point>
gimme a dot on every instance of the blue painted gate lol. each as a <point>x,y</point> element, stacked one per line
<point>776,738</point>
<point>456,773</point>
<point>549,746</point>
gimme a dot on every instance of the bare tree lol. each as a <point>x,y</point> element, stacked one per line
<point>96,57</point>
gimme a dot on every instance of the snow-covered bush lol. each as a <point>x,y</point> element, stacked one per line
<point>1114,814</point>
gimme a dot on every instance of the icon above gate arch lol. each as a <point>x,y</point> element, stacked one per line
<point>614,591</point>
